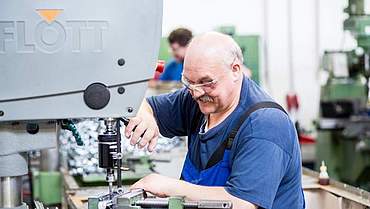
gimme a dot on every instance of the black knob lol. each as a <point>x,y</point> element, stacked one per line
<point>32,128</point>
<point>96,96</point>
<point>121,62</point>
<point>121,90</point>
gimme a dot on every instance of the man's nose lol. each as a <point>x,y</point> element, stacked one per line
<point>198,92</point>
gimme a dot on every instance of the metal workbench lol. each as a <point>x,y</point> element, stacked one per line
<point>335,195</point>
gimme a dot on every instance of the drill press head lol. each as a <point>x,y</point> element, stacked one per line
<point>72,59</point>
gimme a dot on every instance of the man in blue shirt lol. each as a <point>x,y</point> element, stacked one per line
<point>242,146</point>
<point>178,40</point>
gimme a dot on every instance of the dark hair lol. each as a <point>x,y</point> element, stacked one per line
<point>182,36</point>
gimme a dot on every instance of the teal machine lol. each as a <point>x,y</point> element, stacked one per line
<point>343,139</point>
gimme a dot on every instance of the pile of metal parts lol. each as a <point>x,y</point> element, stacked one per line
<point>83,160</point>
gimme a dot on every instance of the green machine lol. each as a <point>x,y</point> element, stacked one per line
<point>250,45</point>
<point>47,187</point>
<point>343,139</point>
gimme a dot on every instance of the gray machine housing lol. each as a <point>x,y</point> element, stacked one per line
<point>51,51</point>
<point>68,59</point>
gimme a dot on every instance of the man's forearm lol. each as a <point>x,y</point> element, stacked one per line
<point>196,192</point>
<point>145,109</point>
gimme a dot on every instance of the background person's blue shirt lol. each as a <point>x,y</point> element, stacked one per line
<point>172,71</point>
<point>265,156</point>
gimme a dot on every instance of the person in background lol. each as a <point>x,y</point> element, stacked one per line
<point>178,40</point>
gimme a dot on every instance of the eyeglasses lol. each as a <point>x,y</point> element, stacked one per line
<point>205,86</point>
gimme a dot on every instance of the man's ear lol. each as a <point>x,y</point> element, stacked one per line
<point>236,69</point>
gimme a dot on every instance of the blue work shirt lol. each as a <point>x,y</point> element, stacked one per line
<point>172,71</point>
<point>265,156</point>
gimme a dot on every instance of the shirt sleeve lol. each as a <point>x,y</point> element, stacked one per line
<point>166,75</point>
<point>257,170</point>
<point>173,112</point>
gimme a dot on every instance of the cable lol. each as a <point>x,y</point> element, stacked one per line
<point>70,126</point>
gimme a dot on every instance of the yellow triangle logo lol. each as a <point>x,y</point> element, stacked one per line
<point>49,15</point>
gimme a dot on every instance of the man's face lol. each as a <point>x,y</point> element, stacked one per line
<point>218,95</point>
<point>178,51</point>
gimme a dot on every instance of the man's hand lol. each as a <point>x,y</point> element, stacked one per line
<point>156,184</point>
<point>148,127</point>
<point>143,124</point>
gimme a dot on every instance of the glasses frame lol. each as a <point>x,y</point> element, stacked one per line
<point>196,87</point>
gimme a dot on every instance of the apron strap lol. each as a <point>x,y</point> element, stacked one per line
<point>196,120</point>
<point>228,143</point>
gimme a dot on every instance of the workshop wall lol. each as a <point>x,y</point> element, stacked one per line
<point>315,26</point>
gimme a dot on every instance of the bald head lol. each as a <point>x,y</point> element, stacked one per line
<point>215,46</point>
<point>213,61</point>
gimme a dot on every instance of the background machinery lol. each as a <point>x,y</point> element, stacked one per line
<point>343,140</point>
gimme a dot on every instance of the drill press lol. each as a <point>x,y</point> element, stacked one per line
<point>66,60</point>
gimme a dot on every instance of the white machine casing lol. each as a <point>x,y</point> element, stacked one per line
<point>51,51</point>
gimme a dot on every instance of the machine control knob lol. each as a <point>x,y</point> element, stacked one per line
<point>96,96</point>
<point>159,69</point>
<point>160,66</point>
<point>32,128</point>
